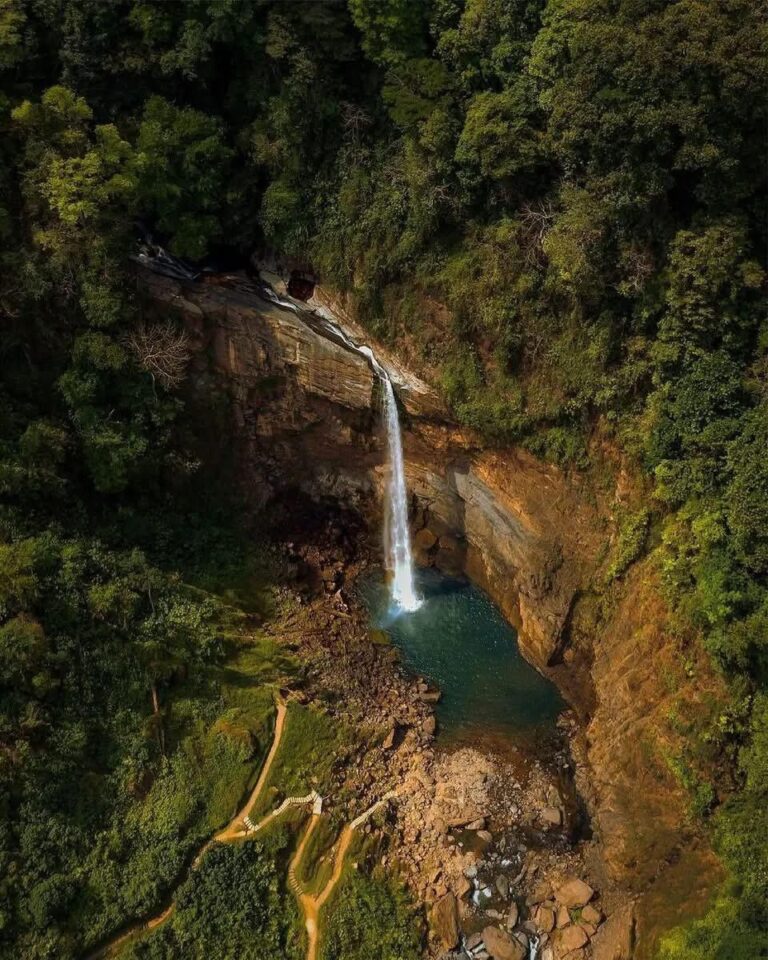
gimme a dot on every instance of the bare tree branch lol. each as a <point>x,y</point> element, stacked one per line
<point>162,349</point>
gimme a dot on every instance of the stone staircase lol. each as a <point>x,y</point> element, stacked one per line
<point>359,821</point>
<point>294,883</point>
<point>314,798</point>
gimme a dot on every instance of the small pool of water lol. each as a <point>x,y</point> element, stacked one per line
<point>460,641</point>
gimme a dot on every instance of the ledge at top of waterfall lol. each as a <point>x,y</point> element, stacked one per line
<point>397,534</point>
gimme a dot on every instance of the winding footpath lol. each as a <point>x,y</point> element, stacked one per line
<point>241,826</point>
<point>237,826</point>
<point>311,905</point>
<point>236,829</point>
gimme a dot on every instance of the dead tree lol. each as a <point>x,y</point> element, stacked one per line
<point>162,349</point>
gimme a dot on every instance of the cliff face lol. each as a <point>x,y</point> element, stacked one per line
<point>306,414</point>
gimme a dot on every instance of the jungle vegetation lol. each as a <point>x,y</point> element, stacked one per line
<point>580,182</point>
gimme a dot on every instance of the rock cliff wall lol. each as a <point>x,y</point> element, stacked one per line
<point>306,415</point>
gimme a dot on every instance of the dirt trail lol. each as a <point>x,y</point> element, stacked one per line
<point>230,832</point>
<point>240,827</point>
<point>235,830</point>
<point>311,905</point>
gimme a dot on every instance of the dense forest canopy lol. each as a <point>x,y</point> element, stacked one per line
<point>580,182</point>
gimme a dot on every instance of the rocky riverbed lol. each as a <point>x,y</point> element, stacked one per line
<point>490,840</point>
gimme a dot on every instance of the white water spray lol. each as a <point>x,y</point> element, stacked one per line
<point>397,535</point>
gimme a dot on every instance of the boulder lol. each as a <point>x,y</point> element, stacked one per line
<point>462,887</point>
<point>501,946</point>
<point>574,893</point>
<point>563,917</point>
<point>591,915</point>
<point>429,726</point>
<point>502,885</point>
<point>570,939</point>
<point>485,835</point>
<point>389,740</point>
<point>545,919</point>
<point>615,938</point>
<point>424,540</point>
<point>513,916</point>
<point>542,891</point>
<point>552,816</point>
<point>430,696</point>
<point>444,921</point>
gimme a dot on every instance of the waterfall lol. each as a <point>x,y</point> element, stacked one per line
<point>397,535</point>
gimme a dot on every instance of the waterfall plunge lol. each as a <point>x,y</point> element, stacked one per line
<point>397,535</point>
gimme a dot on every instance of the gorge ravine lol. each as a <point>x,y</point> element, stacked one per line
<point>527,534</point>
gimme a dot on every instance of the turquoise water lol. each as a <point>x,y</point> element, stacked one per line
<point>460,641</point>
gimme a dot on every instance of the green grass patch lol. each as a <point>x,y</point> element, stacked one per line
<point>311,741</point>
<point>370,915</point>
<point>316,865</point>
<point>630,542</point>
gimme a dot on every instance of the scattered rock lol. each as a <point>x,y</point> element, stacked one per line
<point>478,824</point>
<point>545,919</point>
<point>591,915</point>
<point>542,891</point>
<point>502,885</point>
<point>574,893</point>
<point>552,816</point>
<point>429,726</point>
<point>570,939</point>
<point>613,941</point>
<point>485,835</point>
<point>389,740</point>
<point>501,946</point>
<point>445,921</point>
<point>513,916</point>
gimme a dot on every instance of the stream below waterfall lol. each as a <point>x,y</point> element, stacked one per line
<point>459,640</point>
